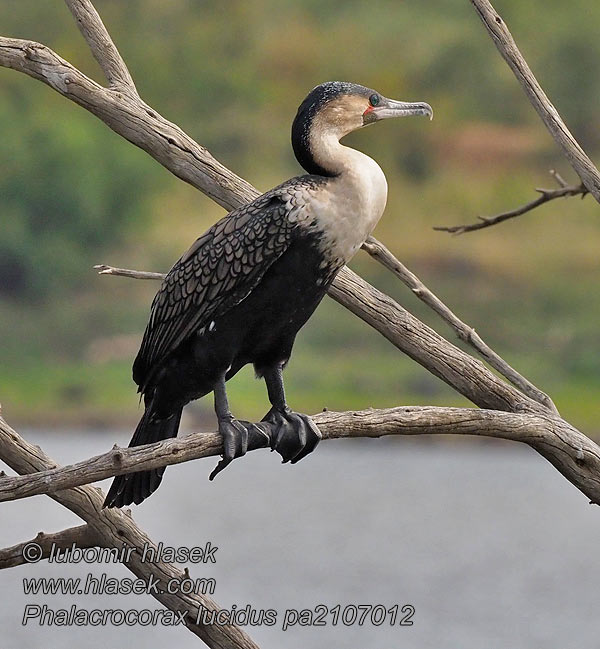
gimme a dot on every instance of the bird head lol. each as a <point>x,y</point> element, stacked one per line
<point>337,108</point>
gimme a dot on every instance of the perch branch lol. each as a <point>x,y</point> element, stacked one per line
<point>546,195</point>
<point>467,334</point>
<point>573,454</point>
<point>113,528</point>
<point>82,536</point>
<point>507,47</point>
<point>100,43</point>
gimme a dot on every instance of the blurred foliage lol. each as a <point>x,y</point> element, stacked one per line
<point>73,194</point>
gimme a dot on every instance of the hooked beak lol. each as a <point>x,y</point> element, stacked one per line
<point>391,108</point>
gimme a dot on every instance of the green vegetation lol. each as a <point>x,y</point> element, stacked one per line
<point>73,194</point>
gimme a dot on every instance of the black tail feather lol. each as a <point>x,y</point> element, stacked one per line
<point>136,487</point>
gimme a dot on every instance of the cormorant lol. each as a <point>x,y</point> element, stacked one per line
<point>240,294</point>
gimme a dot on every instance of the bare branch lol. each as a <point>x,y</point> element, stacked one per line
<point>546,195</point>
<point>575,456</point>
<point>467,334</point>
<point>82,536</point>
<point>548,114</point>
<point>104,50</point>
<point>465,374</point>
<point>115,528</point>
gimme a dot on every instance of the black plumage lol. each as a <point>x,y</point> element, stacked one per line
<point>207,319</point>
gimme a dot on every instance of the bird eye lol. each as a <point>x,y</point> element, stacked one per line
<point>374,100</point>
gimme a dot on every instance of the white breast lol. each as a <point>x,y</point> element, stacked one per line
<point>347,208</point>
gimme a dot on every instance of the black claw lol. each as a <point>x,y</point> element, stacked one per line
<point>235,443</point>
<point>294,435</point>
<point>312,436</point>
<point>238,436</point>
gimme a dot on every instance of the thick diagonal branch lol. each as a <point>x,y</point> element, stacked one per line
<point>131,118</point>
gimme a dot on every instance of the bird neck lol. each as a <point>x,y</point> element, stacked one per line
<point>320,152</point>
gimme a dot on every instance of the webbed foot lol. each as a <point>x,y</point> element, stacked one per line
<point>293,435</point>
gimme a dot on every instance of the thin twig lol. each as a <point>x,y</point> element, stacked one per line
<point>103,269</point>
<point>546,195</point>
<point>507,47</point>
<point>559,179</point>
<point>380,253</point>
<point>82,536</point>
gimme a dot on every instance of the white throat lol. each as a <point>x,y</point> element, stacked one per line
<point>347,208</point>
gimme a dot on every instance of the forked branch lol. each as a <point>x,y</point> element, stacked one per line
<point>114,528</point>
<point>101,45</point>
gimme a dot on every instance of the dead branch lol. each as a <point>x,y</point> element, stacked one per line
<point>507,47</point>
<point>113,528</point>
<point>459,370</point>
<point>467,334</point>
<point>82,536</point>
<point>546,195</point>
<point>571,452</point>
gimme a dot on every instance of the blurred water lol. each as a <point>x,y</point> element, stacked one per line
<point>491,546</point>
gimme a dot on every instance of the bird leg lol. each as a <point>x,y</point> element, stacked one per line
<point>235,433</point>
<point>293,435</point>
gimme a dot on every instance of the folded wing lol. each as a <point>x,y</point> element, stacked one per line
<point>220,269</point>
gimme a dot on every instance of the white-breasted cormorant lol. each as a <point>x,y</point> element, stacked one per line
<point>243,290</point>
